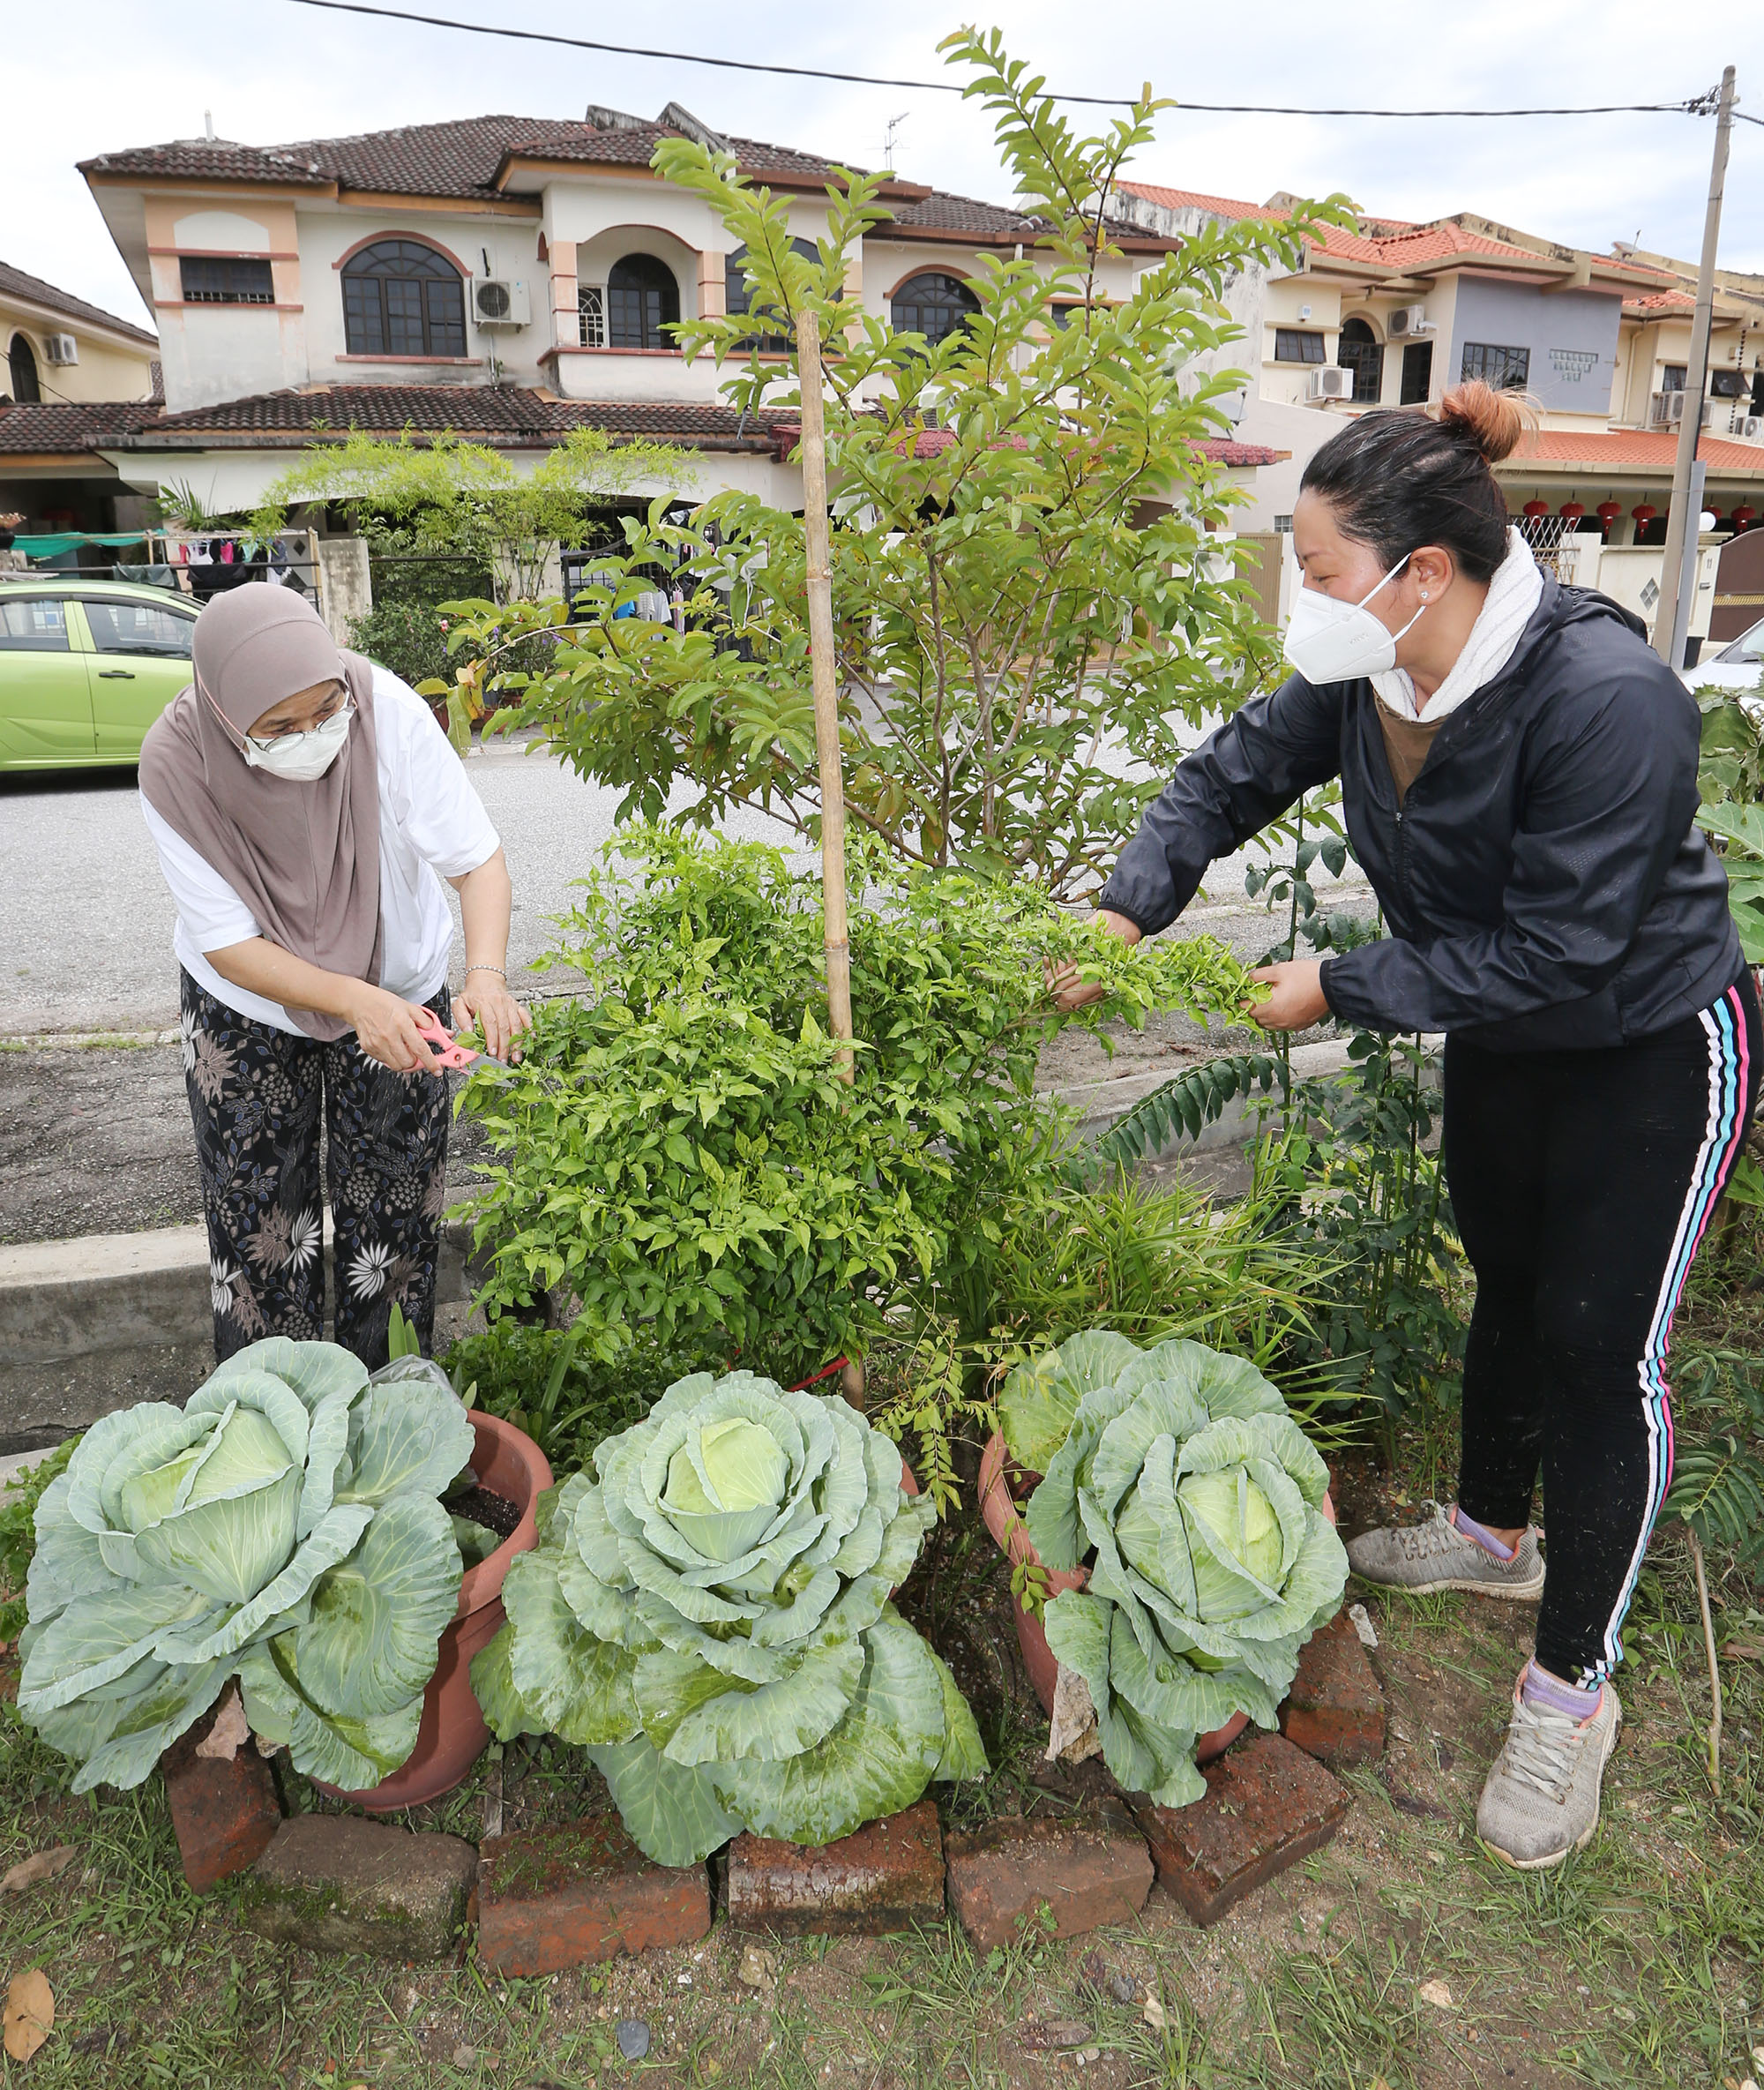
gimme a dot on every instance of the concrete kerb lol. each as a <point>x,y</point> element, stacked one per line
<point>101,1320</point>
<point>105,1320</point>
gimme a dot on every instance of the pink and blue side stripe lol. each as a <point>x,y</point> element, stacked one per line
<point>1729,1085</point>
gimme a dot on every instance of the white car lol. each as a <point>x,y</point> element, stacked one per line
<point>1739,666</point>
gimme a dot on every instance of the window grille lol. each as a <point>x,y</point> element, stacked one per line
<point>1360,351</point>
<point>591,315</point>
<point>1507,370</point>
<point>220,279</point>
<point>1294,344</point>
<point>402,298</point>
<point>933,304</point>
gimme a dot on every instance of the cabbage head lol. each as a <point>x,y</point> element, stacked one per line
<point>1196,1502</point>
<point>284,1526</point>
<point>707,1615</point>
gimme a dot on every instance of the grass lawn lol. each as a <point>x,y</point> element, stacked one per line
<point>1399,1955</point>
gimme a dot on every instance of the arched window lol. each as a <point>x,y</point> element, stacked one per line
<point>401,298</point>
<point>933,304</point>
<point>23,363</point>
<point>1360,353</point>
<point>738,293</point>
<point>642,298</point>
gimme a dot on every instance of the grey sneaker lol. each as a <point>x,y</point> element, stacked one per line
<point>1542,1798</point>
<point>1423,1557</point>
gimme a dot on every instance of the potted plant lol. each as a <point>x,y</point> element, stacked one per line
<point>285,1527</point>
<point>708,1614</point>
<point>1182,1536</point>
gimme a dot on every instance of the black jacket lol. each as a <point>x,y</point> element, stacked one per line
<point>1543,883</point>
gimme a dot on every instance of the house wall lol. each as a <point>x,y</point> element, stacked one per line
<point>1560,329</point>
<point>220,351</point>
<point>108,369</point>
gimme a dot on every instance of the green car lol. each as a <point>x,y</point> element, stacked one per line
<point>86,668</point>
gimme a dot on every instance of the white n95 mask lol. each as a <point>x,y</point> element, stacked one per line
<point>1329,640</point>
<point>303,758</point>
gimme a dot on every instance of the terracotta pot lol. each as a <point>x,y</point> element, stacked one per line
<point>1003,1519</point>
<point>453,1736</point>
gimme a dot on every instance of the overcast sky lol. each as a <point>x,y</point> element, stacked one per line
<point>111,75</point>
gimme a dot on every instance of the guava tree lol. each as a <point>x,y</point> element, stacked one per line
<point>1024,595</point>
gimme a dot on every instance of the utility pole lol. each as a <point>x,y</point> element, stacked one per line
<point>1680,520</point>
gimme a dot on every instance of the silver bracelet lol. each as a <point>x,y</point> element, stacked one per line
<point>497,969</point>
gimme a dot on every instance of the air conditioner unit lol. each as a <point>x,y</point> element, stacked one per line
<point>1407,319</point>
<point>1666,409</point>
<point>1330,381</point>
<point>61,348</point>
<point>498,301</point>
<point>1751,427</point>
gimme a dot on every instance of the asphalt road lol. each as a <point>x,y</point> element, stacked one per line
<point>86,922</point>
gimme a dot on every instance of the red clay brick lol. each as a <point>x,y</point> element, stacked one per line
<point>886,1875</point>
<point>1087,1874</point>
<point>225,1811</point>
<point>1335,1711</point>
<point>570,1896</point>
<point>1268,1805</point>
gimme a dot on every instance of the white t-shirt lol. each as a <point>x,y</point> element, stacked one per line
<point>432,826</point>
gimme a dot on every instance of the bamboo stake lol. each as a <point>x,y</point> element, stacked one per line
<point>1714,1665</point>
<point>826,691</point>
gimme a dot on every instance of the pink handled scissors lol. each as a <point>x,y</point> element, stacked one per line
<point>447,1049</point>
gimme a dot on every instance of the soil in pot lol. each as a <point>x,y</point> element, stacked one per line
<point>511,1471</point>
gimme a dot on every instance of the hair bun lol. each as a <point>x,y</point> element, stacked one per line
<point>1493,422</point>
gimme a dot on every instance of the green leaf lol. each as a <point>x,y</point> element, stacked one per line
<point>354,1754</point>
<point>98,1637</point>
<point>225,1633</point>
<point>1038,1399</point>
<point>504,1710</point>
<point>577,1685</point>
<point>370,1645</point>
<point>695,1714</point>
<point>878,1760</point>
<point>414,1439</point>
<point>148,1724</point>
<point>671,1812</point>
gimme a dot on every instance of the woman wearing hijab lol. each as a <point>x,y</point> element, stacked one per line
<point>306,806</point>
<point>1519,774</point>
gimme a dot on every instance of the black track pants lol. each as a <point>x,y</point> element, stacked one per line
<point>1582,1183</point>
<point>257,1096</point>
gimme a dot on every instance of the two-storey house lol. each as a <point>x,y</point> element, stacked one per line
<point>505,277</point>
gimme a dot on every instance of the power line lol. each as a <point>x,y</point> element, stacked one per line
<point>1695,105</point>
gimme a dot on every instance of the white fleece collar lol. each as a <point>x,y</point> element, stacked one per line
<point>1514,594</point>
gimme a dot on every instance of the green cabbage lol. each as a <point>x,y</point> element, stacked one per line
<point>1195,1500</point>
<point>707,1614</point>
<point>283,1527</point>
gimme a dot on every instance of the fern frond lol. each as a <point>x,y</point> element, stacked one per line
<point>1185,1105</point>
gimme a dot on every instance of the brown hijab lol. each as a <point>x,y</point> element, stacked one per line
<point>304,858</point>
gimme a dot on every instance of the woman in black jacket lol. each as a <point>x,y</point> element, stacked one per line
<point>1519,776</point>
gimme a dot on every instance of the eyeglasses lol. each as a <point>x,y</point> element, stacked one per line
<point>327,711</point>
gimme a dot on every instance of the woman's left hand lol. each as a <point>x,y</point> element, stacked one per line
<point>1297,1001</point>
<point>498,1017</point>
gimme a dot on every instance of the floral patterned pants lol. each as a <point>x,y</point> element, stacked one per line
<point>257,1095</point>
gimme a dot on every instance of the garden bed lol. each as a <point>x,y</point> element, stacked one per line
<point>1594,1975</point>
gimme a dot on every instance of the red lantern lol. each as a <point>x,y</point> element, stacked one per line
<point>1535,511</point>
<point>1744,516</point>
<point>1572,511</point>
<point>1643,513</point>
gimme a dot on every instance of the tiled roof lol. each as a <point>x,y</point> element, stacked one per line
<point>504,417</point>
<point>16,283</point>
<point>458,159</point>
<point>69,430</point>
<point>1179,199</point>
<point>1659,305</point>
<point>467,159</point>
<point>1649,449</point>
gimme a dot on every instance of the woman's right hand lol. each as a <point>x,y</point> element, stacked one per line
<point>1068,990</point>
<point>388,1030</point>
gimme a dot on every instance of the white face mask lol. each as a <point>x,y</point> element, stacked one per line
<point>303,758</point>
<point>1329,640</point>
